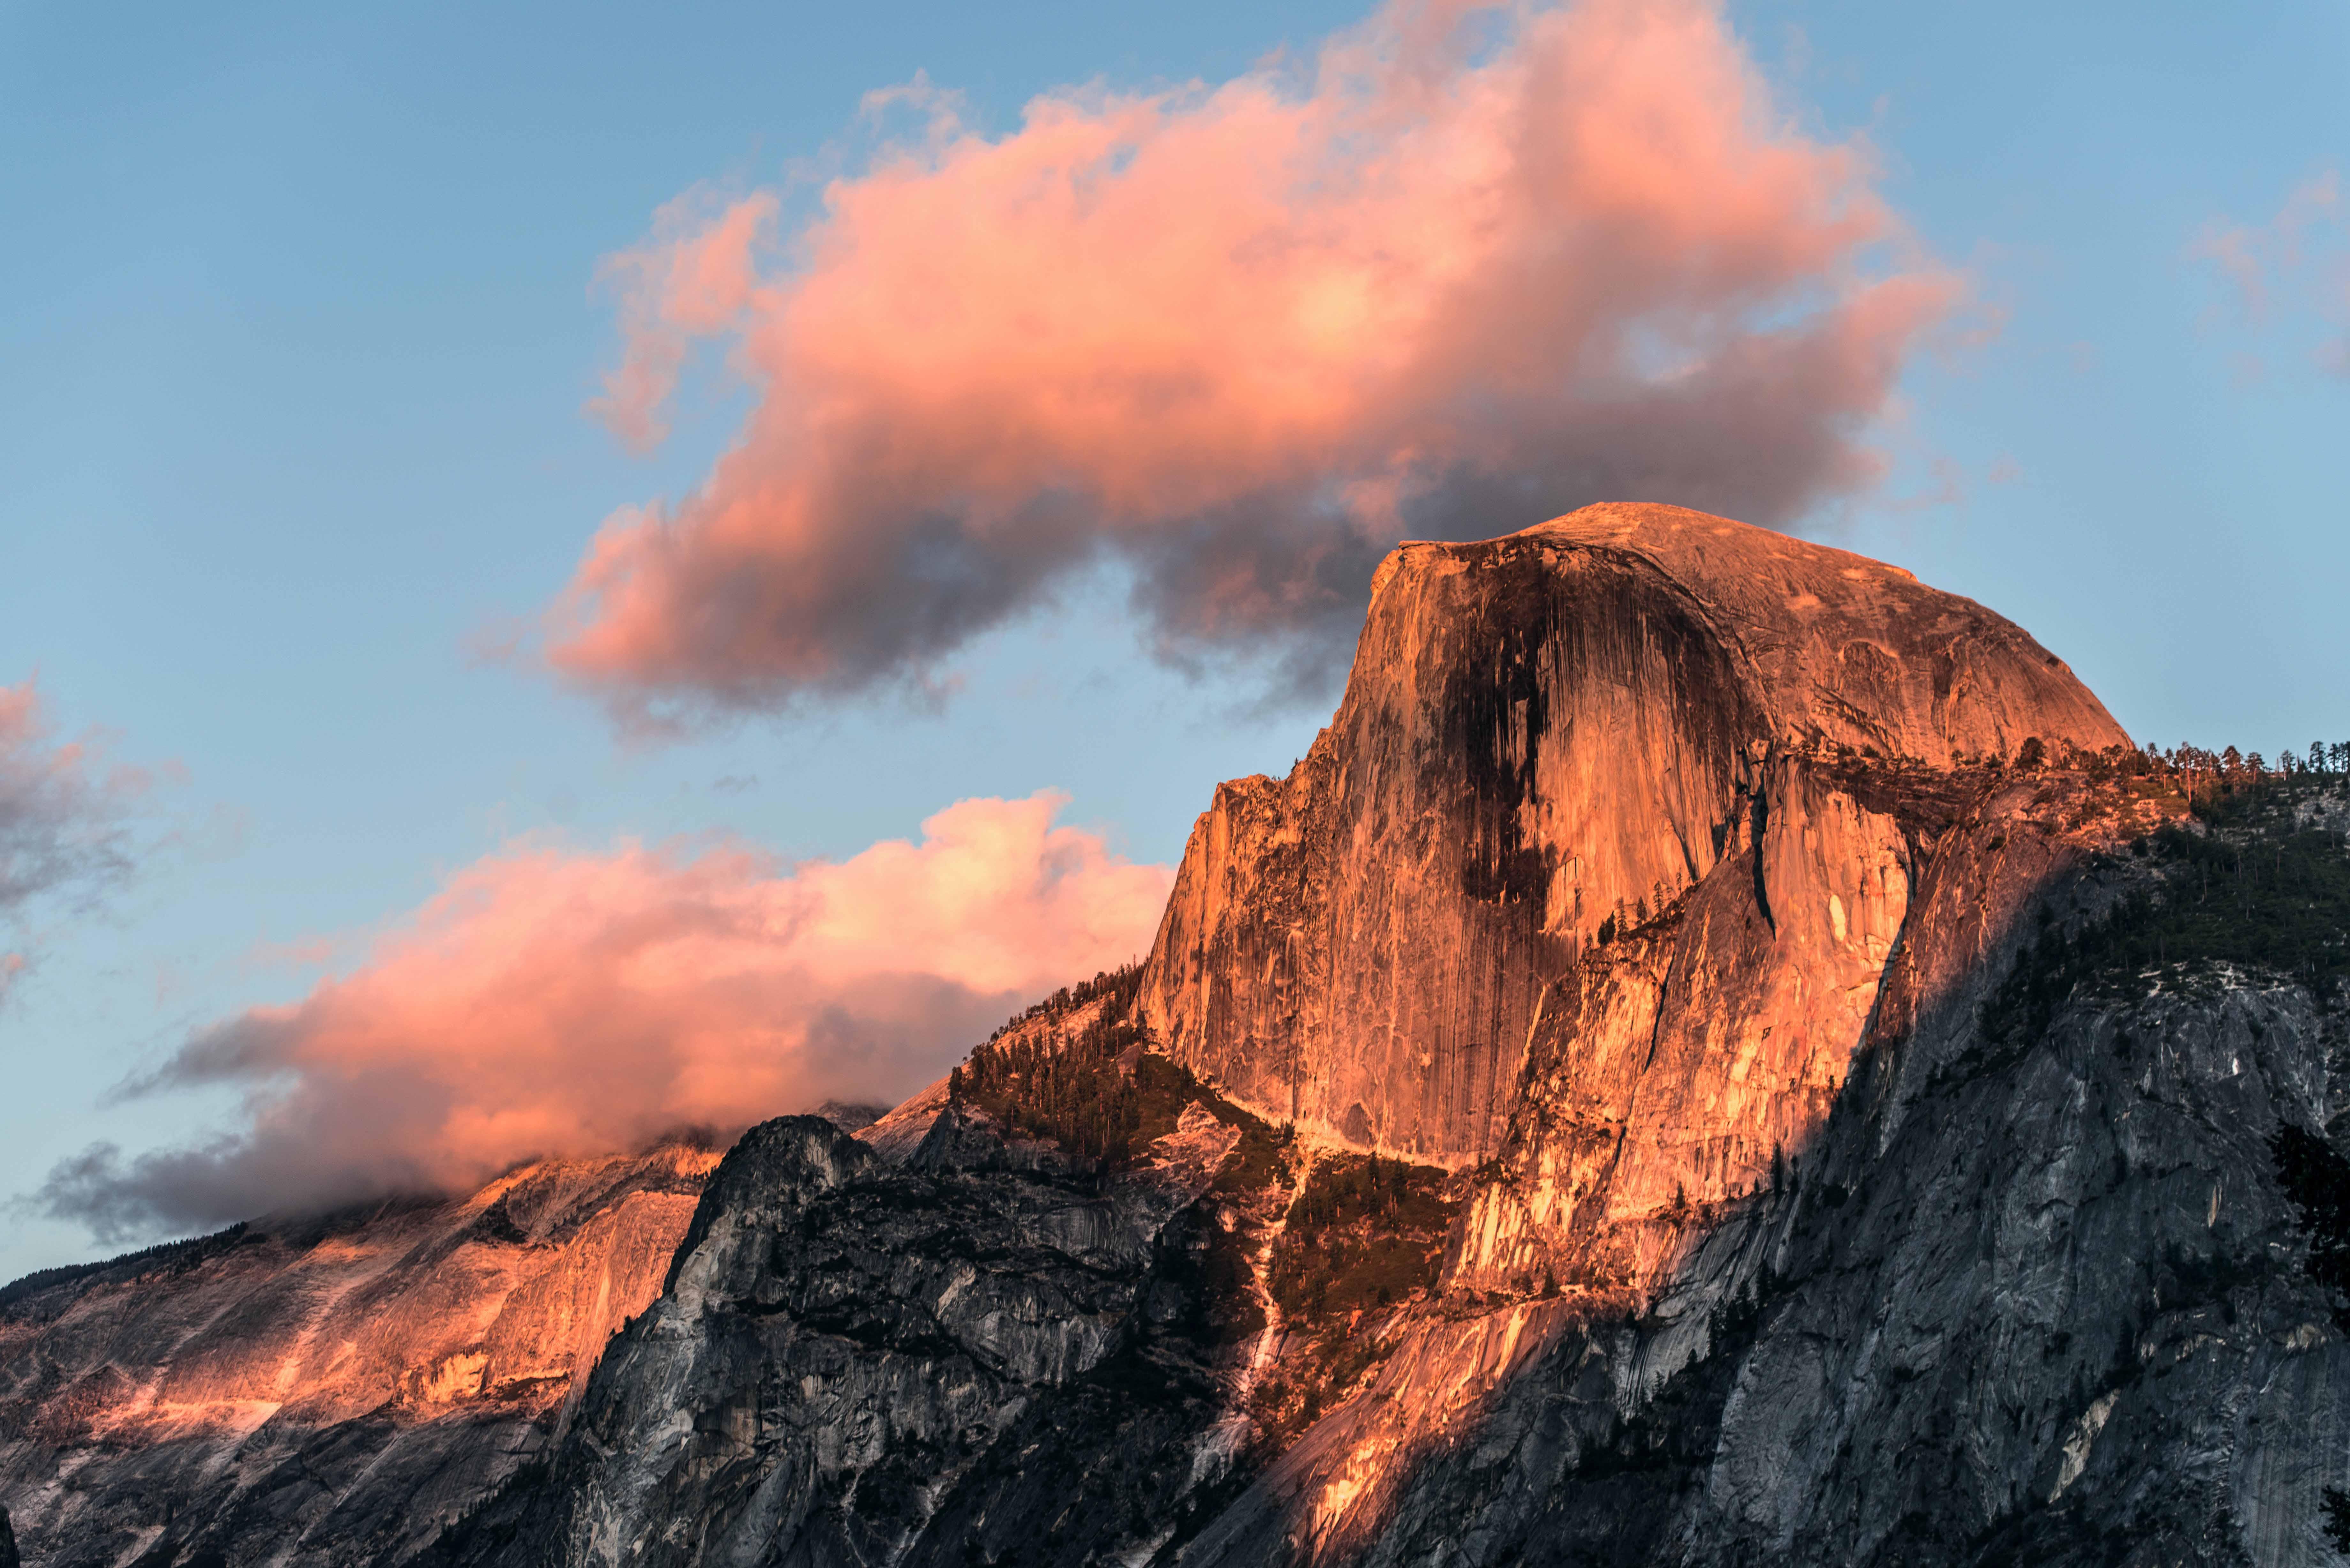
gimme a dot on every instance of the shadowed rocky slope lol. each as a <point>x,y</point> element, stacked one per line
<point>913,1363</point>
<point>2035,1292</point>
<point>1720,1055</point>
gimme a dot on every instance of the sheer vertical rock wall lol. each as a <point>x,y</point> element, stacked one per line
<point>1568,733</point>
<point>1653,877</point>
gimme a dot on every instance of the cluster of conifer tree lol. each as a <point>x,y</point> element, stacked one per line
<point>174,1255</point>
<point>2205,776</point>
<point>1342,1192</point>
<point>1070,1085</point>
<point>2262,885</point>
<point>2199,774</point>
<point>1121,985</point>
<point>1361,1233</point>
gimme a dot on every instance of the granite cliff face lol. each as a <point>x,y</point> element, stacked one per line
<point>1553,734</point>
<point>328,1390</point>
<point>1719,1054</point>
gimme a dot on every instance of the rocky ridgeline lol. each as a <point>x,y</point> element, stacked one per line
<point>1060,1310</point>
<point>326,1391</point>
<point>1719,1054</point>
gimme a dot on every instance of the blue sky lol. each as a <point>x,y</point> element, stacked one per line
<point>300,315</point>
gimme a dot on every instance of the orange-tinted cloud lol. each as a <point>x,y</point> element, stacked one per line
<point>1472,267</point>
<point>689,282</point>
<point>548,1003</point>
<point>62,808</point>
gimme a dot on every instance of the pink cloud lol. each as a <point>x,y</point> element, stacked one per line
<point>2294,269</point>
<point>1472,267</point>
<point>2230,248</point>
<point>691,281</point>
<point>546,1003</point>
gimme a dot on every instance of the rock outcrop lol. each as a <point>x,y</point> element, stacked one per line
<point>1720,1055</point>
<point>984,1349</point>
<point>327,1390</point>
<point>1549,736</point>
<point>2044,1305</point>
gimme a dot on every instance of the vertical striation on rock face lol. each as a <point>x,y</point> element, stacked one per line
<point>1719,1054</point>
<point>1557,735</point>
<point>339,1389</point>
<point>1649,873</point>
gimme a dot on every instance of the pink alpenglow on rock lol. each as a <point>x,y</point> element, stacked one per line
<point>1466,269</point>
<point>304,1382</point>
<point>1548,739</point>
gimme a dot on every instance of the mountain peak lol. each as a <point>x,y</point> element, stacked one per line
<point>1551,736</point>
<point>1834,1127</point>
<point>1838,647</point>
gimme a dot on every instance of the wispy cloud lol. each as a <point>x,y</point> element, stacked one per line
<point>64,804</point>
<point>2289,274</point>
<point>549,1002</point>
<point>1469,267</point>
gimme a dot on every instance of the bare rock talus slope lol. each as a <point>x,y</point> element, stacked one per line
<point>322,1391</point>
<point>1554,733</point>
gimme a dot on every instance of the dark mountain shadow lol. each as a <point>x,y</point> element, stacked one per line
<point>2052,1282</point>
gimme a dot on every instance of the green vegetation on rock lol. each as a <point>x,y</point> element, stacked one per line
<point>1363,1232</point>
<point>2259,881</point>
